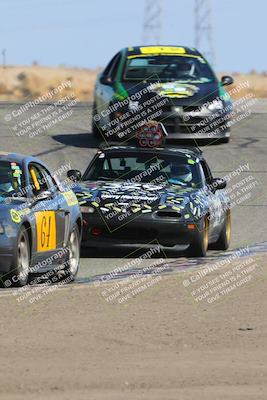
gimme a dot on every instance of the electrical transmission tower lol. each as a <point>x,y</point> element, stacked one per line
<point>203,29</point>
<point>152,22</point>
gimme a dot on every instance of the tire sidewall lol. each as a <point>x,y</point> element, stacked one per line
<point>198,248</point>
<point>15,273</point>
<point>67,269</point>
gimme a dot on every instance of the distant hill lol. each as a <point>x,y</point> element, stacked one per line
<point>29,82</point>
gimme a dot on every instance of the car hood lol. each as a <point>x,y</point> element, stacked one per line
<point>136,197</point>
<point>179,93</point>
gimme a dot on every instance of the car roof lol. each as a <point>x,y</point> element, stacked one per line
<point>137,50</point>
<point>191,150</point>
<point>18,158</point>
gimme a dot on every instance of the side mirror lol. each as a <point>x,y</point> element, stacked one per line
<point>218,184</point>
<point>105,80</point>
<point>45,195</point>
<point>74,175</point>
<point>227,80</point>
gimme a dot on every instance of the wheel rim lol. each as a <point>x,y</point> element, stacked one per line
<point>74,252</point>
<point>228,227</point>
<point>206,234</point>
<point>23,257</point>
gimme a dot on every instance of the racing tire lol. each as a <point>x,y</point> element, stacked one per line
<point>19,274</point>
<point>223,242</point>
<point>73,262</point>
<point>199,246</point>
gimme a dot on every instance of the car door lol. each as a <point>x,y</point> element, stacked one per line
<point>49,211</point>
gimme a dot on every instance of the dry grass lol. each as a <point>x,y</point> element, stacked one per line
<point>21,83</point>
<point>257,84</point>
<point>28,82</point>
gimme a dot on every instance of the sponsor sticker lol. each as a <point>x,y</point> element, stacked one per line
<point>70,198</point>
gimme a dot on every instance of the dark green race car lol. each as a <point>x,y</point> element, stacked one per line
<point>171,84</point>
<point>40,222</point>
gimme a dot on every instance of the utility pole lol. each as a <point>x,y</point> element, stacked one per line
<point>203,30</point>
<point>4,58</point>
<point>152,22</point>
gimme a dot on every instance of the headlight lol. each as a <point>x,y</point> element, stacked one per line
<point>133,105</point>
<point>87,209</point>
<point>178,109</point>
<point>215,105</point>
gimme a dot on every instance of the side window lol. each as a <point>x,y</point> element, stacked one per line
<point>114,68</point>
<point>109,67</point>
<point>40,179</point>
<point>207,172</point>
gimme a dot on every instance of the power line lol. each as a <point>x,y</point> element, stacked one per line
<point>203,29</point>
<point>152,22</point>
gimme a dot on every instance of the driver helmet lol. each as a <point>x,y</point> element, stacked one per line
<point>185,68</point>
<point>181,172</point>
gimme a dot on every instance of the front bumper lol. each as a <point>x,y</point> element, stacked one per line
<point>192,124</point>
<point>139,231</point>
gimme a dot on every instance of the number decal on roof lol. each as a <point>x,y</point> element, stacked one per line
<point>150,50</point>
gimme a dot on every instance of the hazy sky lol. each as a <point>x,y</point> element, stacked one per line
<point>86,33</point>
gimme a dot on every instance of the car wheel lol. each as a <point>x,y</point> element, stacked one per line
<point>19,274</point>
<point>225,236</point>
<point>199,247</point>
<point>73,263</point>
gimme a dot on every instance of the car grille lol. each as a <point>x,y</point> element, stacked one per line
<point>175,123</point>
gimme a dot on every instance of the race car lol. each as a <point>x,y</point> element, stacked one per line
<point>139,196</point>
<point>171,84</point>
<point>40,222</point>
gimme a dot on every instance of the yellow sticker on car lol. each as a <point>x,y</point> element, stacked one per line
<point>150,50</point>
<point>15,216</point>
<point>46,230</point>
<point>71,199</point>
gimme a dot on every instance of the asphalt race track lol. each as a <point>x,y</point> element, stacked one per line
<point>70,142</point>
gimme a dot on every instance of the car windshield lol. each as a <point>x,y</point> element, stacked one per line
<point>145,168</point>
<point>11,178</point>
<point>168,68</point>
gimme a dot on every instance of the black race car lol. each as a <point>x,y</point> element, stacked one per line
<point>135,196</point>
<point>40,222</point>
<point>171,84</point>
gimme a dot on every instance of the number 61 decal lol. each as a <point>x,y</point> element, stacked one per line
<point>46,230</point>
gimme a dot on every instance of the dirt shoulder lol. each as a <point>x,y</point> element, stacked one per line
<point>162,344</point>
